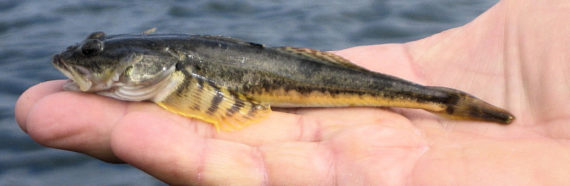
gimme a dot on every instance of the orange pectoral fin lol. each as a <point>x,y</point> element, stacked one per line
<point>206,101</point>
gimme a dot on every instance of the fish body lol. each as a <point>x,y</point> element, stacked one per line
<point>232,83</point>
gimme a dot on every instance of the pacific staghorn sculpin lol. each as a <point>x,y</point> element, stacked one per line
<point>231,83</point>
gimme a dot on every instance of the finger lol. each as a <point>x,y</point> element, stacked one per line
<point>83,122</point>
<point>74,121</point>
<point>28,99</point>
<point>175,154</point>
<point>80,122</point>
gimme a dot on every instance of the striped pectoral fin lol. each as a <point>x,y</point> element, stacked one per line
<point>204,100</point>
<point>240,111</point>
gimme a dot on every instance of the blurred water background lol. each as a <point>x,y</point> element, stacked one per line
<point>32,31</point>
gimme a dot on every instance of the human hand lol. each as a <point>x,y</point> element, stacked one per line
<point>514,56</point>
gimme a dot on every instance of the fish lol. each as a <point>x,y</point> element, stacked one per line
<point>232,83</point>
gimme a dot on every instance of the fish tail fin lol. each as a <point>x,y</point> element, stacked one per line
<point>463,106</point>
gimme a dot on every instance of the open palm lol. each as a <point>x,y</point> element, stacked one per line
<point>507,58</point>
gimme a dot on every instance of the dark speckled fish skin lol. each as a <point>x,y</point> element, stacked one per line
<point>278,76</point>
<point>252,68</point>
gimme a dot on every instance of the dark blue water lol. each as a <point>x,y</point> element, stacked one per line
<point>32,31</point>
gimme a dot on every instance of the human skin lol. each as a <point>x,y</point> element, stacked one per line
<point>515,55</point>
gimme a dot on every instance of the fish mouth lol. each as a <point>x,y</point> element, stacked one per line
<point>78,76</point>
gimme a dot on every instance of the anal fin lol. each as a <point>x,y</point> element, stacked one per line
<point>199,98</point>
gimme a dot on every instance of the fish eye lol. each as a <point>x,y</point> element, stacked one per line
<point>91,47</point>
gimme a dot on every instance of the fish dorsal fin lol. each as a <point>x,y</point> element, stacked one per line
<point>233,40</point>
<point>321,56</point>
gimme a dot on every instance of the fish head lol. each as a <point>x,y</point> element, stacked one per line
<point>89,65</point>
<point>101,63</point>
